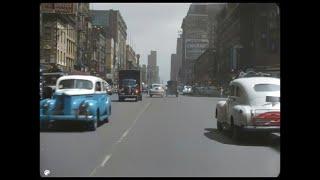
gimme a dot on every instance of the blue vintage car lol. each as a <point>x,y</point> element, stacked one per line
<point>77,98</point>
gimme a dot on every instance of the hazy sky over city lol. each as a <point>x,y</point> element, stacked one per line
<point>151,26</point>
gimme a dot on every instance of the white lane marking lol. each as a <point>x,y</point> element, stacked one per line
<point>124,135</point>
<point>134,122</point>
<point>106,159</point>
<point>94,171</point>
<point>120,140</point>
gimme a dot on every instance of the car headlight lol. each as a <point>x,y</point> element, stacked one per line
<point>46,105</point>
<point>83,108</point>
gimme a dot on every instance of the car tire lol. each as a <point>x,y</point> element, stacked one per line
<point>150,95</point>
<point>136,99</point>
<point>109,114</point>
<point>236,133</point>
<point>219,126</point>
<point>94,123</point>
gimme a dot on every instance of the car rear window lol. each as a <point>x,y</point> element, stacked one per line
<point>266,87</point>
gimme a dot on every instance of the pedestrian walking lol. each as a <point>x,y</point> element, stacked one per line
<point>221,92</point>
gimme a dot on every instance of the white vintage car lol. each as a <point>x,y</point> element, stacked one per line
<point>253,105</point>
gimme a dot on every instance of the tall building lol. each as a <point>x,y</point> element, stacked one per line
<point>98,61</point>
<point>252,39</point>
<point>109,59</point>
<point>195,38</point>
<point>116,28</point>
<point>83,25</point>
<point>179,58</point>
<point>58,41</point>
<point>156,77</point>
<point>152,68</point>
<point>152,58</point>
<point>144,73</point>
<point>174,67</point>
<point>131,62</point>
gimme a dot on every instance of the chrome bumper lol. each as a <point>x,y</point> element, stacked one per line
<point>261,128</point>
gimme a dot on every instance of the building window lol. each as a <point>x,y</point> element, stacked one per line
<point>60,36</point>
<point>61,57</point>
<point>65,39</point>
<point>47,33</point>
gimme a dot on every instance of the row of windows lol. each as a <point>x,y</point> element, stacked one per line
<point>70,47</point>
<point>71,32</point>
<point>63,60</point>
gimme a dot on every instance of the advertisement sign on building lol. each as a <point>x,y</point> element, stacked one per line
<point>47,7</point>
<point>195,47</point>
<point>60,8</point>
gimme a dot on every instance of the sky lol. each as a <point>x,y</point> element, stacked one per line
<point>151,26</point>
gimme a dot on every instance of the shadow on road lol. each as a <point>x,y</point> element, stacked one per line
<point>154,96</point>
<point>68,127</point>
<point>268,140</point>
<point>117,100</point>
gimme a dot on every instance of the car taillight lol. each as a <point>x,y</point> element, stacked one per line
<point>267,119</point>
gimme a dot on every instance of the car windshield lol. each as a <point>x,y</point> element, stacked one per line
<point>187,87</point>
<point>75,84</point>
<point>266,87</point>
<point>156,85</point>
<point>129,82</point>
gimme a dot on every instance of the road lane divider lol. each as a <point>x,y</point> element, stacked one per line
<point>134,122</point>
<point>107,158</point>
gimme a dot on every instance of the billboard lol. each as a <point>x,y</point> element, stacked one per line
<point>195,47</point>
<point>59,8</point>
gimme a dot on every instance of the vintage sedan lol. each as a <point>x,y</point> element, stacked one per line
<point>77,98</point>
<point>253,105</point>
<point>187,90</point>
<point>157,89</point>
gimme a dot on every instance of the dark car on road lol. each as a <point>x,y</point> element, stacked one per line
<point>130,85</point>
<point>172,88</point>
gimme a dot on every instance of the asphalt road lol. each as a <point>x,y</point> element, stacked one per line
<point>158,137</point>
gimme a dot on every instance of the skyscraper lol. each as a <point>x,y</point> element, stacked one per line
<point>152,69</point>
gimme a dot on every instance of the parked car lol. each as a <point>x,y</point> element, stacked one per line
<point>187,90</point>
<point>253,106</point>
<point>77,98</point>
<point>157,89</point>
